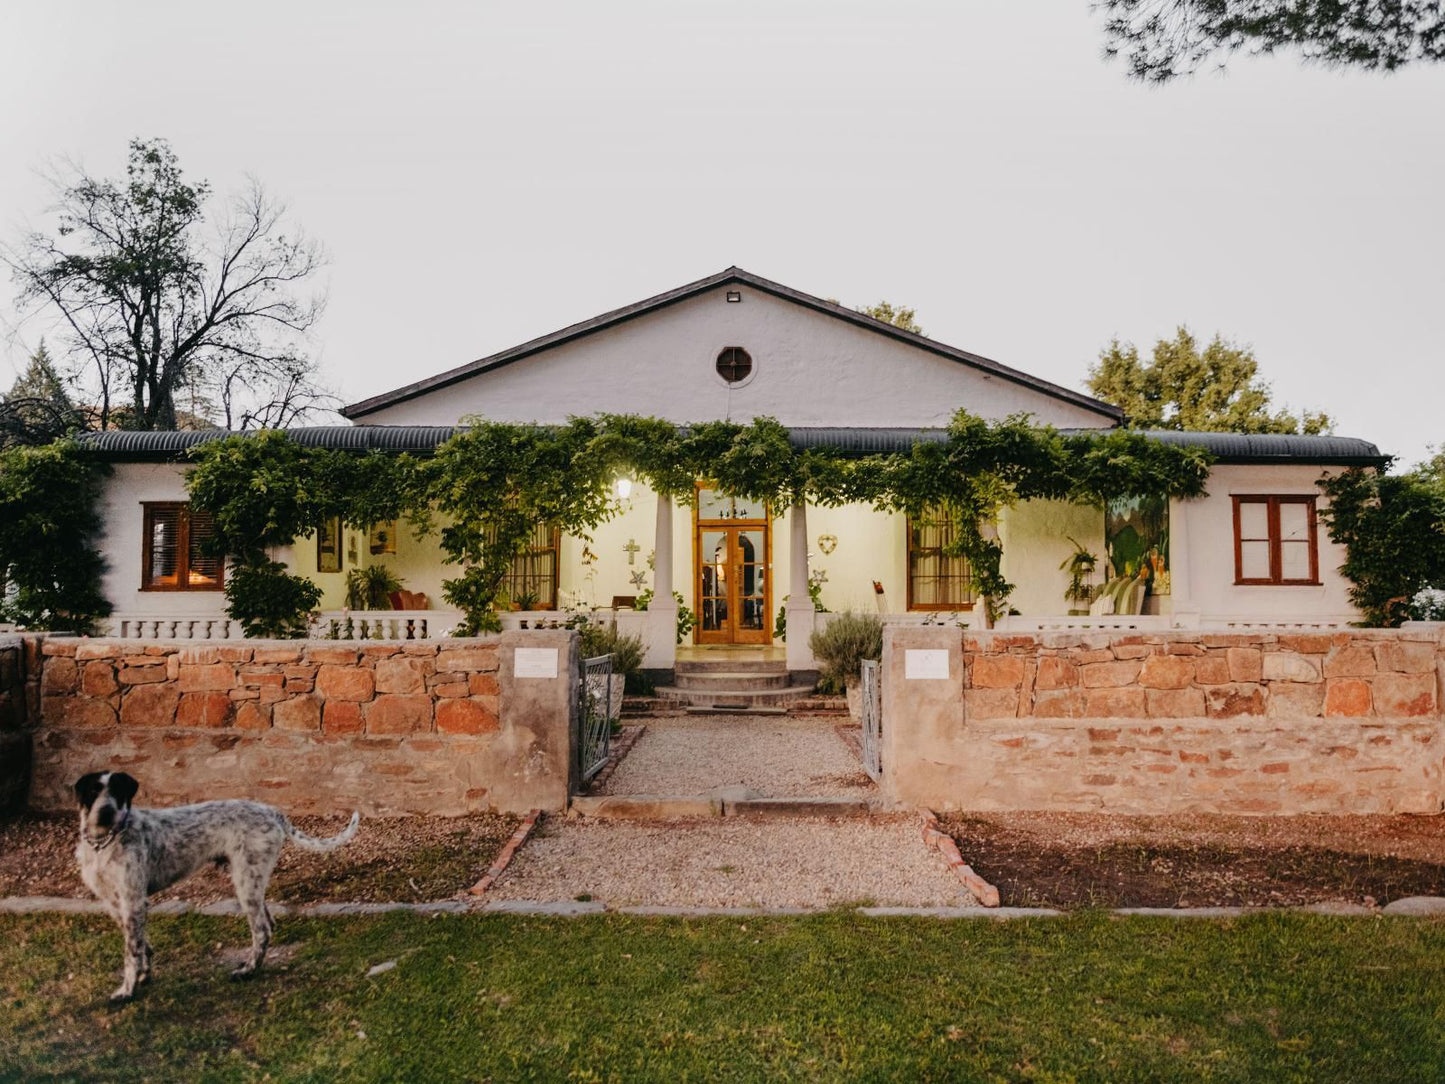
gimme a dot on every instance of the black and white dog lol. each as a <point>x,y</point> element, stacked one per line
<point>126,854</point>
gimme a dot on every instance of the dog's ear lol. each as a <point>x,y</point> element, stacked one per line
<point>88,788</point>
<point>122,787</point>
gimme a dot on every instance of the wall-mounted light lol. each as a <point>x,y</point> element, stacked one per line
<point>623,488</point>
<point>734,295</point>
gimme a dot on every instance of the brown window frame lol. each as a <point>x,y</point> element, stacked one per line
<point>935,607</point>
<point>1272,502</point>
<point>555,548</point>
<point>183,550</point>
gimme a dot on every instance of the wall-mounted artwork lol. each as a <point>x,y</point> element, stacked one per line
<point>1136,539</point>
<point>383,537</point>
<point>328,545</point>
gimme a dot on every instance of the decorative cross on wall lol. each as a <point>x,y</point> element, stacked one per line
<point>632,549</point>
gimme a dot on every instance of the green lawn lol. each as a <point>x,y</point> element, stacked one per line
<point>837,996</point>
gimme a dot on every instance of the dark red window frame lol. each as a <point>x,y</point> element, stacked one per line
<point>1272,503</point>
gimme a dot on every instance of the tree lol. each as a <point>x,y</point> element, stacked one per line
<point>1217,390</point>
<point>36,409</point>
<point>162,307</point>
<point>899,317</point>
<point>1164,39</point>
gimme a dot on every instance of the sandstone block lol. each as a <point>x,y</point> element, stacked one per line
<point>1102,675</point>
<point>465,717</point>
<point>1059,704</point>
<point>206,677</point>
<point>977,704</point>
<point>1236,698</point>
<point>1175,703</point>
<point>341,717</point>
<point>81,712</point>
<point>1167,672</point>
<point>58,646</point>
<point>1211,670</point>
<point>1135,651</point>
<point>199,656</point>
<point>1350,660</point>
<point>379,651</point>
<point>403,675</point>
<point>997,671</point>
<point>1115,702</point>
<point>399,714</point>
<point>298,713</point>
<point>141,675</point>
<point>1287,666</point>
<point>451,689</point>
<point>276,654</point>
<point>1400,695</point>
<point>345,683</point>
<point>60,677</point>
<point>204,709</point>
<point>331,656</point>
<point>1288,700</point>
<point>1056,673</point>
<point>1305,643</point>
<point>150,705</point>
<point>1406,658</point>
<point>483,684</point>
<point>469,658</point>
<point>1245,664</point>
<point>1347,696</point>
<point>253,716</point>
<point>98,679</point>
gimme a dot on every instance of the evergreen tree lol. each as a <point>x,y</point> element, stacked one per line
<point>37,409</point>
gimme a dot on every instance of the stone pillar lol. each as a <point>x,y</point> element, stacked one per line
<point>925,752</point>
<point>1184,612</point>
<point>661,638</point>
<point>800,605</point>
<point>534,753</point>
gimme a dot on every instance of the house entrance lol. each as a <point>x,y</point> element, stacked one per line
<point>733,559</point>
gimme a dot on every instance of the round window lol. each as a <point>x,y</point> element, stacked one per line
<point>734,364</point>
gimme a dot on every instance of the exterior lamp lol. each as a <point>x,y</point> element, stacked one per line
<point>623,488</point>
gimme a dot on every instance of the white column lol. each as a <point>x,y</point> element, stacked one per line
<point>800,605</point>
<point>1182,607</point>
<point>662,623</point>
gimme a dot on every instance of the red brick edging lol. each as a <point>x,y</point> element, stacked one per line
<point>520,836</point>
<point>942,842</point>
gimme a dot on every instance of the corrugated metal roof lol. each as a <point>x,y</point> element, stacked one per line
<point>124,446</point>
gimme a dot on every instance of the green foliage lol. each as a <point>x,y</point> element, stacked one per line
<point>48,523</point>
<point>1217,390</point>
<point>1393,529</point>
<point>842,644</point>
<point>1080,566</point>
<point>370,588</point>
<point>626,651</point>
<point>37,409</point>
<point>900,317</point>
<point>268,601</point>
<point>1162,40</point>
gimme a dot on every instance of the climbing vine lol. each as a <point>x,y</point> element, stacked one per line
<point>492,483</point>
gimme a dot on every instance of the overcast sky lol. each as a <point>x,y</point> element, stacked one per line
<point>485,173</point>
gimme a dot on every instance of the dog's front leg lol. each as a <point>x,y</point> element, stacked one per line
<point>133,930</point>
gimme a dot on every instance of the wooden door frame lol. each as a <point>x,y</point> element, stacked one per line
<point>733,527</point>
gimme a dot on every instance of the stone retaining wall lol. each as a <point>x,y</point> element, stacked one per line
<point>1179,721</point>
<point>19,702</point>
<point>388,727</point>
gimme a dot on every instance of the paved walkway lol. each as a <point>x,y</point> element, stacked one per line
<point>733,862</point>
<point>777,755</point>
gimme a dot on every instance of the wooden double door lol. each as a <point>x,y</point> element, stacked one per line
<point>734,583</point>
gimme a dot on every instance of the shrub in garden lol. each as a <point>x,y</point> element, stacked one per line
<point>842,645</point>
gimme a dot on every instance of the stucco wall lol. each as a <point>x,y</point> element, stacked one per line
<point>809,369</point>
<point>1344,722</point>
<point>440,727</point>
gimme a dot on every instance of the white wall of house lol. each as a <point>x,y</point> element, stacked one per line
<point>1209,540</point>
<point>808,369</point>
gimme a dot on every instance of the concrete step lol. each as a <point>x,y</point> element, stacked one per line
<point>726,802</point>
<point>733,698</point>
<point>722,663</point>
<point>732,679</point>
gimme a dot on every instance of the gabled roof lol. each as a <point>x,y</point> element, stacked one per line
<point>724,278</point>
<point>123,446</point>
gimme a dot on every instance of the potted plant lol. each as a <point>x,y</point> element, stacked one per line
<point>840,648</point>
<point>370,588</point>
<point>1080,566</point>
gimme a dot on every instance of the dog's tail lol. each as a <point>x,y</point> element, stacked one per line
<point>311,843</point>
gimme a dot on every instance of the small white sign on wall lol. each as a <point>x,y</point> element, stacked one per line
<point>536,662</point>
<point>925,665</point>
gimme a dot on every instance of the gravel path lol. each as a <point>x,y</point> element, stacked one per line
<point>780,756</point>
<point>733,862</point>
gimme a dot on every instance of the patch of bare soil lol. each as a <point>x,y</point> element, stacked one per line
<point>400,859</point>
<point>1201,860</point>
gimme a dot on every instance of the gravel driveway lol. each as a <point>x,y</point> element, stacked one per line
<point>733,862</point>
<point>779,755</point>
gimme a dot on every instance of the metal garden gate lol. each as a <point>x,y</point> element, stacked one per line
<point>873,719</point>
<point>594,716</point>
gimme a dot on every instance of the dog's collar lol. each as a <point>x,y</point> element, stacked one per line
<point>110,837</point>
